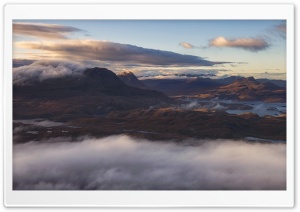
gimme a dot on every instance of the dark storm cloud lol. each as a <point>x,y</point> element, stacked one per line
<point>121,163</point>
<point>40,30</point>
<point>115,52</point>
<point>249,44</point>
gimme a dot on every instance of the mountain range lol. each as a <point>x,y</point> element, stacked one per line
<point>230,88</point>
<point>99,103</point>
<point>181,86</point>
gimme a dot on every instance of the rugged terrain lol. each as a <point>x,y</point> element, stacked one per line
<point>161,124</point>
<point>96,92</point>
<point>247,89</point>
<point>99,104</point>
<point>230,88</point>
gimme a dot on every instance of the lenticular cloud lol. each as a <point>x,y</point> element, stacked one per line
<point>121,163</point>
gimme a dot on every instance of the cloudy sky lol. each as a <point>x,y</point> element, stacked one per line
<point>162,48</point>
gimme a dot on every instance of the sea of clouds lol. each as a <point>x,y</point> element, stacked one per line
<point>123,163</point>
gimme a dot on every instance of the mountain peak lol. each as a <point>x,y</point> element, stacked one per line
<point>102,78</point>
<point>246,79</point>
<point>98,90</point>
<point>250,79</point>
<point>126,73</point>
<point>98,72</point>
<point>130,79</point>
<point>249,82</point>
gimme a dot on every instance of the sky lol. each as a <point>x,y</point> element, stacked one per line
<point>159,48</point>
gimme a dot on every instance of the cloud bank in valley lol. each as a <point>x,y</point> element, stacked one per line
<point>115,52</point>
<point>121,163</point>
<point>169,73</point>
<point>41,30</point>
<point>249,44</point>
<point>40,122</point>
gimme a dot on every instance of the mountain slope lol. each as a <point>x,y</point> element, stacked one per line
<point>131,80</point>
<point>281,83</point>
<point>96,91</point>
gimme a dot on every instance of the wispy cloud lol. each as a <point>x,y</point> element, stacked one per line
<point>281,27</point>
<point>187,45</point>
<point>279,30</point>
<point>122,163</point>
<point>40,30</point>
<point>115,52</point>
<point>249,44</point>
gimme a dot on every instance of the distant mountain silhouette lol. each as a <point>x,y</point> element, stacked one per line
<point>130,79</point>
<point>228,80</point>
<point>193,85</point>
<point>181,86</point>
<point>281,83</point>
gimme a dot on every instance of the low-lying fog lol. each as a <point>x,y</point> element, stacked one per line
<point>123,163</point>
<point>257,107</point>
